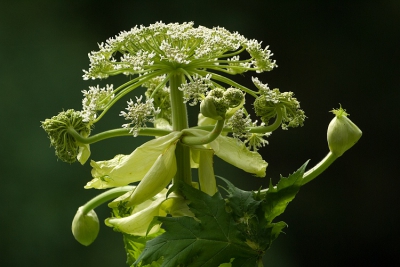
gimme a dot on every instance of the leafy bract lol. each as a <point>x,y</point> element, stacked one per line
<point>278,197</point>
<point>126,169</point>
<point>235,153</point>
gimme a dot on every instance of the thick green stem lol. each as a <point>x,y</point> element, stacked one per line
<point>319,168</point>
<point>105,197</point>
<point>179,123</point>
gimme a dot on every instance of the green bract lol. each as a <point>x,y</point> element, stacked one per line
<point>126,169</point>
<point>141,216</point>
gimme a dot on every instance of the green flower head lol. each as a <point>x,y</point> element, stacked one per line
<point>67,148</point>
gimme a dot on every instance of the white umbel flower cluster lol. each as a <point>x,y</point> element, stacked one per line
<point>164,46</point>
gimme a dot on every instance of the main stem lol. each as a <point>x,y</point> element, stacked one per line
<point>179,123</point>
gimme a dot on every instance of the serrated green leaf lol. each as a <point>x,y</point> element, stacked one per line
<point>278,197</point>
<point>134,246</point>
<point>241,202</point>
<point>207,240</point>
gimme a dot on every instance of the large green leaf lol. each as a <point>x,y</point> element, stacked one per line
<point>208,240</point>
<point>239,227</point>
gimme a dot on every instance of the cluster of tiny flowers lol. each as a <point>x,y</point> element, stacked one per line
<point>265,106</point>
<point>256,140</point>
<point>159,92</point>
<point>160,46</point>
<point>195,90</point>
<point>139,113</point>
<point>174,54</point>
<point>261,56</point>
<point>240,123</point>
<point>236,66</point>
<point>95,99</point>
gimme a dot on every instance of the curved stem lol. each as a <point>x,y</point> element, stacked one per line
<point>105,197</point>
<point>319,168</point>
<point>269,128</point>
<point>201,140</point>
<point>115,133</point>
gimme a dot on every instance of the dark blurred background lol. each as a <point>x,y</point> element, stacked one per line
<point>328,52</point>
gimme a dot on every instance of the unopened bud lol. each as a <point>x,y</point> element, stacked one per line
<point>213,108</point>
<point>85,227</point>
<point>342,133</point>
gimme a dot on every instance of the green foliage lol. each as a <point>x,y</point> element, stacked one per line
<point>134,245</point>
<point>239,226</point>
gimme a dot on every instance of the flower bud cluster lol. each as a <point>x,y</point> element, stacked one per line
<point>65,145</point>
<point>240,123</point>
<point>218,101</point>
<point>269,101</point>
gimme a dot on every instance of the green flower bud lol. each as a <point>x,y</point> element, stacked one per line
<point>85,227</point>
<point>67,148</point>
<point>342,133</point>
<point>234,97</point>
<point>213,108</point>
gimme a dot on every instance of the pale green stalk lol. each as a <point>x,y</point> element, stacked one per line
<point>319,168</point>
<point>179,123</point>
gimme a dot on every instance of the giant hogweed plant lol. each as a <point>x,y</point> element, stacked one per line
<point>165,217</point>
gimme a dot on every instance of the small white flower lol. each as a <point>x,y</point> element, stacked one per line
<point>196,89</point>
<point>139,113</point>
<point>95,99</point>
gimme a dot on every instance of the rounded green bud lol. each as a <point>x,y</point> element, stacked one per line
<point>342,133</point>
<point>67,149</point>
<point>85,227</point>
<point>234,97</point>
<point>264,108</point>
<point>213,108</point>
